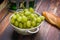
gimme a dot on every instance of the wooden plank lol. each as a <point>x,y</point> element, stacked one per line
<point>3,13</point>
<point>58,11</point>
<point>53,34</point>
<point>7,34</point>
<point>4,23</point>
<point>47,31</point>
<point>3,9</point>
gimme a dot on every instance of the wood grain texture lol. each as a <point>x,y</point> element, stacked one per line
<point>3,12</point>
<point>4,24</point>
<point>46,32</point>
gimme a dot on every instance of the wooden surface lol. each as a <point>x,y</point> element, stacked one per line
<point>3,9</point>
<point>4,23</point>
<point>46,32</point>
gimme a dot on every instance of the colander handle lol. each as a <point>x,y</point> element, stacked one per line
<point>32,32</point>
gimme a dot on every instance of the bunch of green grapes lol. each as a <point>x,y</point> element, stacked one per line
<point>26,19</point>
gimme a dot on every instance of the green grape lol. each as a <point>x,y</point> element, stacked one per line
<point>36,15</point>
<point>25,10</point>
<point>12,20</point>
<point>14,16</point>
<point>33,23</point>
<point>19,18</point>
<point>24,18</point>
<point>38,19</point>
<point>24,25</point>
<point>42,18</point>
<point>29,18</point>
<point>27,13</point>
<point>32,16</point>
<point>34,19</point>
<point>16,23</point>
<point>38,24</point>
<point>21,14</point>
<point>20,25</point>
<point>17,15</point>
<point>28,24</point>
<point>31,10</point>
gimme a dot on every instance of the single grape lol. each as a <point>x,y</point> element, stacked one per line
<point>20,25</point>
<point>12,20</point>
<point>19,18</point>
<point>27,13</point>
<point>29,18</point>
<point>38,19</point>
<point>28,24</point>
<point>17,15</point>
<point>25,10</point>
<point>36,15</point>
<point>34,19</point>
<point>33,23</point>
<point>42,18</point>
<point>14,16</point>
<point>31,10</point>
<point>16,23</point>
<point>24,18</point>
<point>21,14</point>
<point>32,16</point>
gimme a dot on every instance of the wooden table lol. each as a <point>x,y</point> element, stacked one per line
<point>46,32</point>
